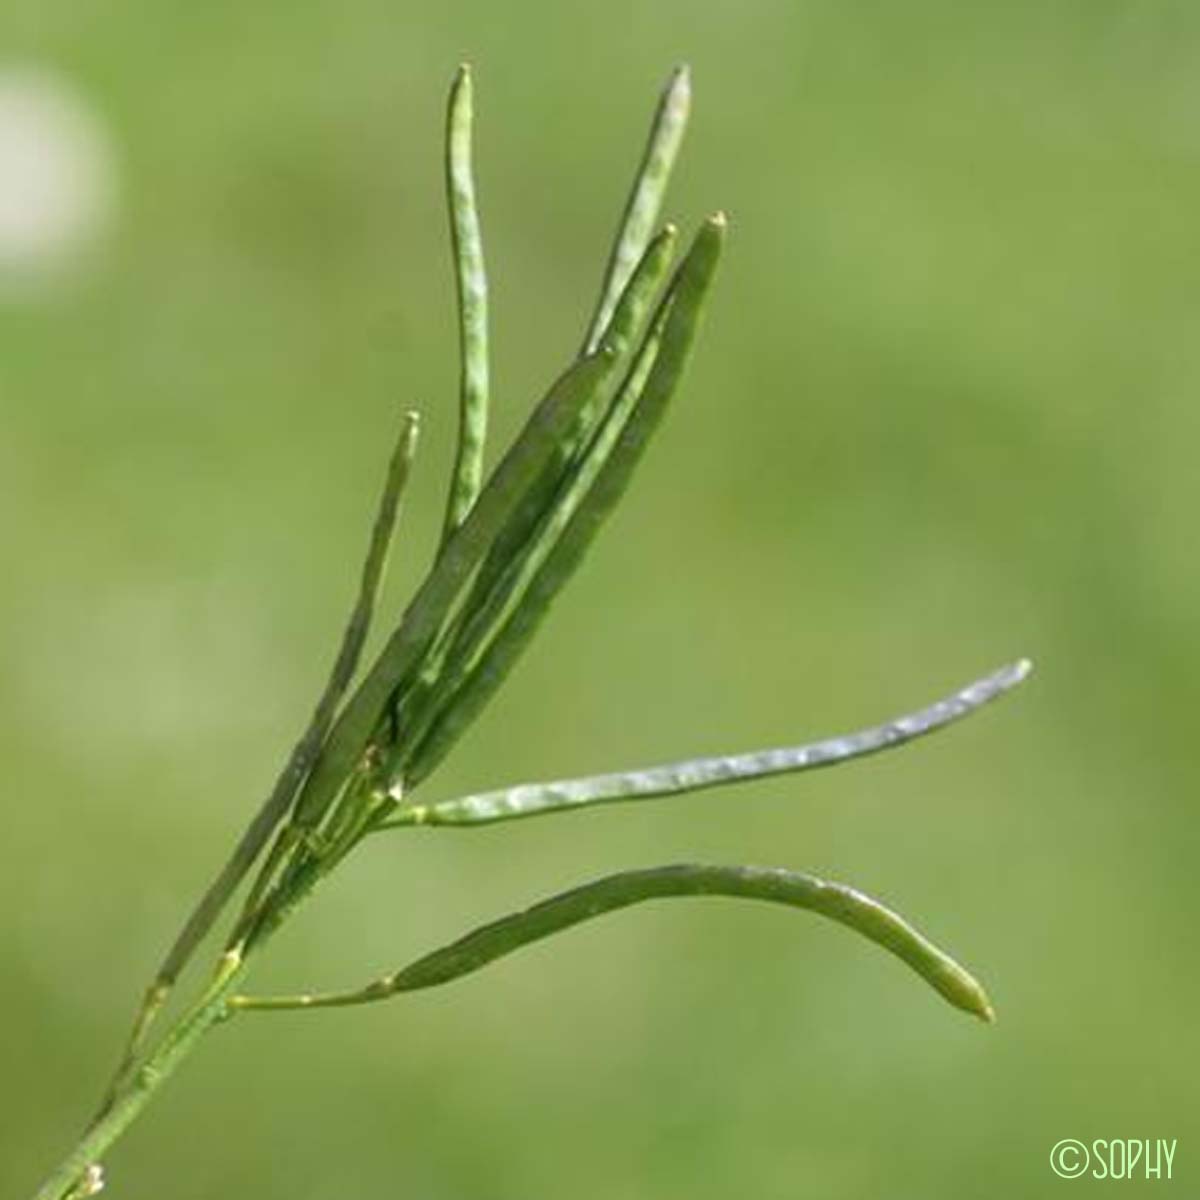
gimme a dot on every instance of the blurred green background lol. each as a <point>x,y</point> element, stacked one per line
<point>944,414</point>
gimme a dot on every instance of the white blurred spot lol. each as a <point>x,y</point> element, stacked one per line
<point>57,175</point>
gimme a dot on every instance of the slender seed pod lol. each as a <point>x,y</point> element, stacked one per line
<point>645,198</point>
<point>628,319</point>
<point>840,903</point>
<point>300,761</point>
<point>681,310</point>
<point>309,745</point>
<point>519,467</point>
<point>693,775</point>
<point>470,277</point>
<point>531,531</point>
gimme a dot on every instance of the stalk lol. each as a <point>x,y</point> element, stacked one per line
<point>510,544</point>
<point>77,1175</point>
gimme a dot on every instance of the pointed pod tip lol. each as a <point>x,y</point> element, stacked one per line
<point>1013,674</point>
<point>969,995</point>
<point>406,445</point>
<point>460,86</point>
<point>677,95</point>
<point>707,248</point>
<point>985,1012</point>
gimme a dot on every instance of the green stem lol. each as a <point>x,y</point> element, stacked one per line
<point>158,1067</point>
<point>124,1106</point>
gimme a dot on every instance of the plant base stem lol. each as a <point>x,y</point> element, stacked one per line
<point>155,1071</point>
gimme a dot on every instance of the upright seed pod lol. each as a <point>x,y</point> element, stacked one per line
<point>470,279</point>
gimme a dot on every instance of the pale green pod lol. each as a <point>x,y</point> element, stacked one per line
<point>644,204</point>
<point>427,611</point>
<point>693,775</point>
<point>628,319</point>
<point>840,903</point>
<point>470,278</point>
<point>527,537</point>
<point>680,317</point>
<point>638,267</point>
<point>307,748</point>
<point>626,328</point>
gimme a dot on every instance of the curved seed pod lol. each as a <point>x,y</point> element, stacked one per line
<point>211,904</point>
<point>470,279</point>
<point>517,470</point>
<point>693,775</point>
<point>645,198</point>
<point>836,901</point>
<point>680,314</point>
